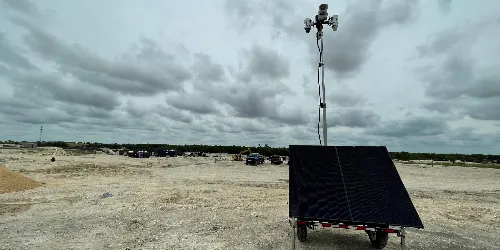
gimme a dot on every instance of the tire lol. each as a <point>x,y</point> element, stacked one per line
<point>302,233</point>
<point>378,238</point>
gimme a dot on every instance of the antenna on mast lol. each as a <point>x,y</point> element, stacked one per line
<point>41,130</point>
<point>321,19</point>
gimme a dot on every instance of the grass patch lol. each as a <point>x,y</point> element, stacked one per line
<point>494,166</point>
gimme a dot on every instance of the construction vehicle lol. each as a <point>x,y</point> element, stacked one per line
<point>239,156</point>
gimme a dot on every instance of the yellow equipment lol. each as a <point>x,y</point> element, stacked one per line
<point>239,157</point>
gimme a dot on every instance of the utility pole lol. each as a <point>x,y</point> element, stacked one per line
<point>40,139</point>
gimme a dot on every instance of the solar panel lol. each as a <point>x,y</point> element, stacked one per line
<point>358,185</point>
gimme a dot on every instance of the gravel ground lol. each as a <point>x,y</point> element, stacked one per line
<point>197,203</point>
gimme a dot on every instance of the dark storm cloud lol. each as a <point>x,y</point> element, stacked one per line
<point>348,48</point>
<point>353,118</point>
<point>412,126</point>
<point>461,83</point>
<point>151,72</point>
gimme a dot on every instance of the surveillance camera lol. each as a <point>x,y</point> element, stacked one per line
<point>308,24</point>
<point>323,12</point>
<point>334,22</point>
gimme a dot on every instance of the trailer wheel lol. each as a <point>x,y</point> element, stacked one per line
<point>378,238</point>
<point>302,233</point>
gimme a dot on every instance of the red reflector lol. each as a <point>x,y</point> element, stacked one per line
<point>301,222</point>
<point>360,228</point>
<point>389,230</point>
<point>344,226</point>
<point>326,225</point>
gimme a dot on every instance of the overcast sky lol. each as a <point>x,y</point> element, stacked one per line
<point>414,75</point>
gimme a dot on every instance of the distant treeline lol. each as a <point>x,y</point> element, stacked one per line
<point>262,149</point>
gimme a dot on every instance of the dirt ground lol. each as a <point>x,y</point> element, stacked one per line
<point>197,203</point>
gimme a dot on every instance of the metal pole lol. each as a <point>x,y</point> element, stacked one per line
<point>403,238</point>
<point>325,133</point>
<point>293,233</point>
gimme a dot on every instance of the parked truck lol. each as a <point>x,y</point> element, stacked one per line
<point>254,159</point>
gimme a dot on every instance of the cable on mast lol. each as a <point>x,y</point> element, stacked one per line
<point>321,19</point>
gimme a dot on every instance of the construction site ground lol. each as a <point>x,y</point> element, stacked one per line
<point>200,203</point>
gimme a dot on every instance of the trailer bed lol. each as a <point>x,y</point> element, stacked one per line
<point>348,185</point>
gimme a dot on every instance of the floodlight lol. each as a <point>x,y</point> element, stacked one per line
<point>323,12</point>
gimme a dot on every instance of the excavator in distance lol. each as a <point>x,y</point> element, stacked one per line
<point>239,156</point>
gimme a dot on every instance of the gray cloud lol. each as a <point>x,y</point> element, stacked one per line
<point>359,26</point>
<point>353,118</point>
<point>24,7</point>
<point>411,127</point>
<point>41,85</point>
<point>461,83</point>
<point>277,14</point>
<point>207,71</point>
<point>9,55</point>
<point>172,114</point>
<point>485,109</point>
<point>196,103</point>
<point>243,85</point>
<point>255,91</point>
<point>264,64</point>
<point>157,74</point>
<point>346,98</point>
<point>445,5</point>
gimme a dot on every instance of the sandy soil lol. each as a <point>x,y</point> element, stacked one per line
<point>197,203</point>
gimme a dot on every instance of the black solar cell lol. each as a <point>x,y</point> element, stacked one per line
<point>358,185</point>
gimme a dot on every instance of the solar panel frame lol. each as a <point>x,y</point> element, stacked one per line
<point>348,184</point>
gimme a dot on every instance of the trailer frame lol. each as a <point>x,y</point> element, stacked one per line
<point>400,231</point>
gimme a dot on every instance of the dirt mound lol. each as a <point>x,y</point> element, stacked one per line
<point>11,181</point>
<point>52,151</point>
